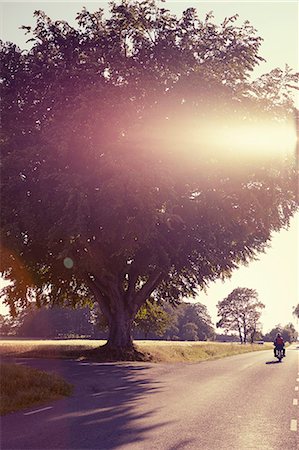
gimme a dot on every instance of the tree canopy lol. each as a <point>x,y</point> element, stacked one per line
<point>123,169</point>
<point>240,311</point>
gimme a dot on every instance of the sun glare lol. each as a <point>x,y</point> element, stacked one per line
<point>232,141</point>
<point>257,140</point>
<point>226,139</point>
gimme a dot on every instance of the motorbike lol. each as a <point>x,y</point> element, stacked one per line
<point>279,354</point>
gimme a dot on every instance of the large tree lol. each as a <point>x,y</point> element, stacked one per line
<point>129,165</point>
<point>240,311</point>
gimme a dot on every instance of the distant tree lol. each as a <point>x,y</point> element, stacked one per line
<point>112,184</point>
<point>226,338</point>
<point>152,318</point>
<point>296,311</point>
<point>288,333</point>
<point>240,312</point>
<point>271,335</point>
<point>189,332</point>
<point>195,313</point>
<point>173,332</point>
<point>254,326</point>
<point>54,322</point>
<point>258,335</point>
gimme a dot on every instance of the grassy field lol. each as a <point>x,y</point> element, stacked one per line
<point>160,351</point>
<point>22,387</point>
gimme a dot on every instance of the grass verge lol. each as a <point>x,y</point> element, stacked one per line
<point>160,351</point>
<point>196,351</point>
<point>22,387</point>
<point>47,348</point>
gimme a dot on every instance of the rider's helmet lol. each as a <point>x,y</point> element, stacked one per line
<point>278,335</point>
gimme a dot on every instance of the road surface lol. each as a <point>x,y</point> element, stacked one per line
<point>242,402</point>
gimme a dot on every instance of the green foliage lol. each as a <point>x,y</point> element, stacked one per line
<point>112,187</point>
<point>152,318</point>
<point>190,321</point>
<point>240,312</point>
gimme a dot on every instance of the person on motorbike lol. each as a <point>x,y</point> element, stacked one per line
<point>279,344</point>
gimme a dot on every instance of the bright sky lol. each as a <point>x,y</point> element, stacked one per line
<point>275,275</point>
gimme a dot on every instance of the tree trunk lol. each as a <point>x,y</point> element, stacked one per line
<point>120,330</point>
<point>119,346</point>
<point>120,307</point>
<point>240,335</point>
<point>252,336</point>
<point>245,335</point>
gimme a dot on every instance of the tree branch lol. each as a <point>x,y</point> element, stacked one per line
<point>148,287</point>
<point>102,300</point>
<point>131,287</point>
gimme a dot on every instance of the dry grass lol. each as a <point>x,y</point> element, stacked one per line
<point>40,348</point>
<point>160,351</point>
<point>22,387</point>
<point>195,351</point>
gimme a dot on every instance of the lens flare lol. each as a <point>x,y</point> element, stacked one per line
<point>68,263</point>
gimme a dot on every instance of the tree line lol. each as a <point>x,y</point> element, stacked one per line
<point>239,312</point>
<point>153,321</point>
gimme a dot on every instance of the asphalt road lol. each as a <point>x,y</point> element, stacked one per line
<point>242,402</point>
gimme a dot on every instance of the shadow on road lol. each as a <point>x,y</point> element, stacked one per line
<point>273,362</point>
<point>109,415</point>
<point>111,407</point>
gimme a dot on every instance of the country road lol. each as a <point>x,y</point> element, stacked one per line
<point>242,402</point>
